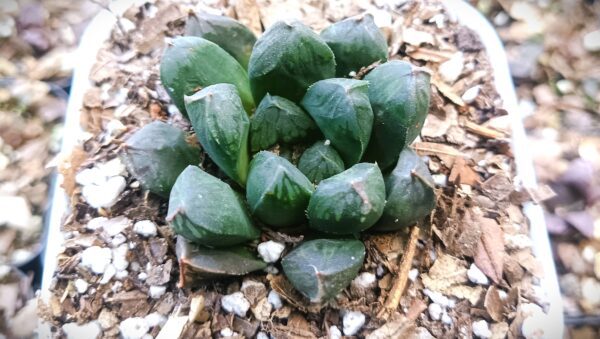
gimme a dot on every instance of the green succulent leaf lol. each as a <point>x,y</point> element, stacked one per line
<point>320,269</point>
<point>341,109</point>
<point>235,38</point>
<point>222,127</point>
<point>349,202</point>
<point>410,195</point>
<point>320,161</point>
<point>287,59</point>
<point>156,154</point>
<point>192,63</point>
<point>197,263</point>
<point>279,120</point>
<point>356,42</point>
<point>206,211</point>
<point>399,94</point>
<point>277,192</point>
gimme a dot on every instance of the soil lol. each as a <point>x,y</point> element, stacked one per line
<point>472,272</point>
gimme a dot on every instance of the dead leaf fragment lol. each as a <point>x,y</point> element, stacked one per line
<point>494,304</point>
<point>445,272</point>
<point>490,250</point>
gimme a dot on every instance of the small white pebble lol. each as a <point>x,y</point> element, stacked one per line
<point>226,332</point>
<point>90,330</point>
<point>235,303</point>
<point>446,318</point>
<point>380,271</point>
<point>104,194</point>
<point>451,69</point>
<point>81,286</point>
<point>109,273</point>
<point>133,328</point>
<point>335,333</point>
<point>120,275</point>
<point>96,258</point>
<point>262,335</point>
<point>275,300</point>
<point>481,329</point>
<point>435,311</point>
<point>120,257</point>
<point>157,291</point>
<point>142,276</point>
<point>272,270</point>
<point>591,41</point>
<point>365,280</point>
<point>440,180</point>
<point>96,223</point>
<point>471,94</point>
<point>270,251</point>
<point>4,271</point>
<point>413,274</point>
<point>118,240</point>
<point>476,276</point>
<point>517,241</point>
<point>145,228</point>
<point>439,298</point>
<point>353,321</point>
<point>327,142</point>
<point>155,319</point>
<point>115,225</point>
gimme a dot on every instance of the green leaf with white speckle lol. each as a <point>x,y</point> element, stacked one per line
<point>320,161</point>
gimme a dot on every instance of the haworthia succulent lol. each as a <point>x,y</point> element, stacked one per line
<point>198,263</point>
<point>356,42</point>
<point>235,38</point>
<point>342,111</point>
<point>277,192</point>
<point>222,127</point>
<point>410,195</point>
<point>279,120</point>
<point>349,202</point>
<point>320,161</point>
<point>156,154</point>
<point>320,269</point>
<point>399,94</point>
<point>192,63</point>
<point>287,59</point>
<point>206,211</point>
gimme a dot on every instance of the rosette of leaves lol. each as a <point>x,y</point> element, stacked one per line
<point>235,38</point>
<point>221,127</point>
<point>278,120</point>
<point>410,194</point>
<point>320,161</point>
<point>156,154</point>
<point>399,95</point>
<point>342,110</point>
<point>192,63</point>
<point>322,268</point>
<point>206,211</point>
<point>277,191</point>
<point>356,42</point>
<point>287,59</point>
<point>349,202</point>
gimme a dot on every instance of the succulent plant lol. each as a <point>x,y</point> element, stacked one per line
<point>410,195</point>
<point>287,59</point>
<point>356,42</point>
<point>206,211</point>
<point>320,161</point>
<point>277,191</point>
<point>335,185</point>
<point>221,127</point>
<point>322,268</point>
<point>349,202</point>
<point>278,120</point>
<point>235,38</point>
<point>192,63</point>
<point>399,94</point>
<point>342,111</point>
<point>156,154</point>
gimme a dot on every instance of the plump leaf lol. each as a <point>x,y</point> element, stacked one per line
<point>198,263</point>
<point>356,42</point>
<point>399,94</point>
<point>410,195</point>
<point>191,63</point>
<point>320,269</point>
<point>277,192</point>
<point>342,111</point>
<point>235,38</point>
<point>279,120</point>
<point>222,127</point>
<point>320,161</point>
<point>156,154</point>
<point>206,211</point>
<point>287,59</point>
<point>349,202</point>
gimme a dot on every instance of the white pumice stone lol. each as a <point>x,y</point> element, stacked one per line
<point>481,329</point>
<point>451,69</point>
<point>90,330</point>
<point>96,258</point>
<point>435,311</point>
<point>476,276</point>
<point>120,257</point>
<point>365,280</point>
<point>439,298</point>
<point>353,321</point>
<point>81,286</point>
<point>413,274</point>
<point>133,328</point>
<point>145,228</point>
<point>109,273</point>
<point>227,332</point>
<point>104,194</point>
<point>157,291</point>
<point>446,319</point>
<point>270,251</point>
<point>118,240</point>
<point>115,225</point>
<point>275,300</point>
<point>155,319</point>
<point>96,223</point>
<point>235,303</point>
<point>470,94</point>
<point>262,335</point>
<point>335,333</point>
